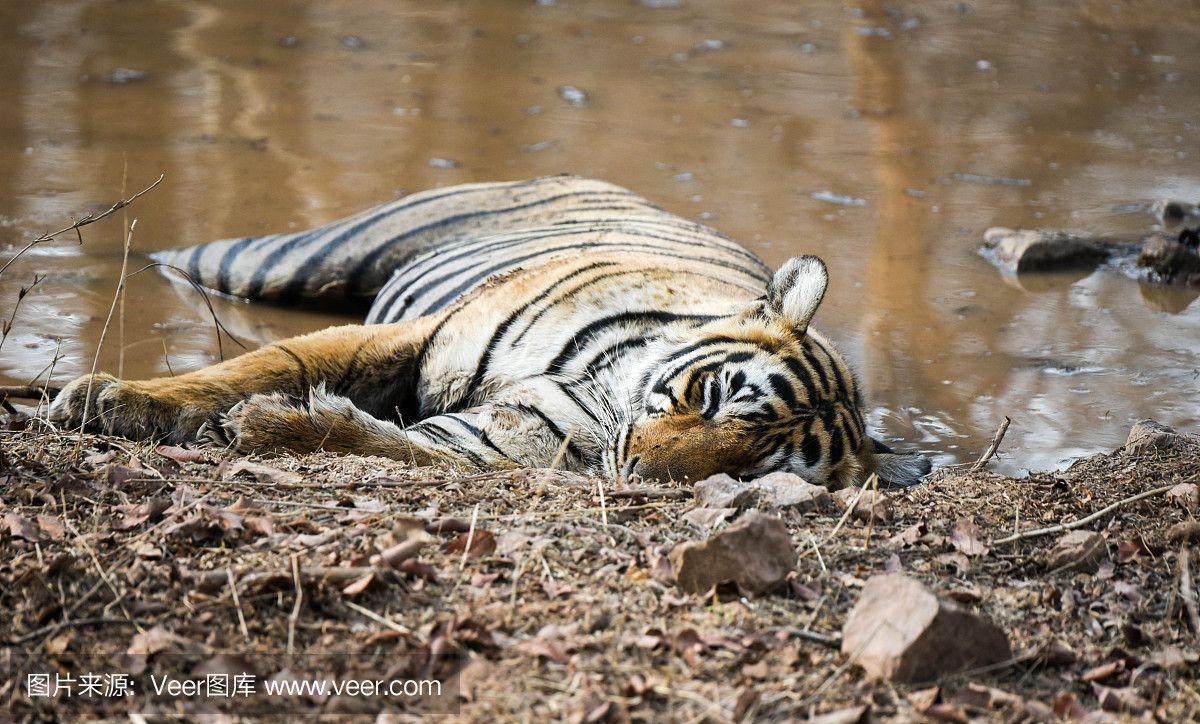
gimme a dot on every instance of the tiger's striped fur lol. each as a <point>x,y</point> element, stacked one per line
<point>514,324</point>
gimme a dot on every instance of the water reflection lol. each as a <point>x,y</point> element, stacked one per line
<point>283,114</point>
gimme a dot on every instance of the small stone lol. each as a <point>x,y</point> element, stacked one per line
<point>121,76</point>
<point>722,491</point>
<point>1147,435</point>
<point>1172,261</point>
<point>756,553</point>
<point>870,501</point>
<point>353,42</point>
<point>788,490</point>
<point>575,96</point>
<point>1032,250</point>
<point>1185,495</point>
<point>444,163</point>
<point>899,630</point>
<point>1078,550</point>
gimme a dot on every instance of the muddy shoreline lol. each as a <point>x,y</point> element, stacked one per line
<point>529,594</point>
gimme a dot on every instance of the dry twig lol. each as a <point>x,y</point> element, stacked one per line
<point>82,222</point>
<point>996,440</point>
<point>1082,521</point>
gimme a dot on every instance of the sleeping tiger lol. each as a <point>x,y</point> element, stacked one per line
<point>551,321</point>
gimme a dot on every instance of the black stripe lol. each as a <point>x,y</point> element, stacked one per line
<point>594,329</point>
<point>802,375</point>
<point>360,269</point>
<point>485,358</point>
<point>304,270</point>
<point>782,388</point>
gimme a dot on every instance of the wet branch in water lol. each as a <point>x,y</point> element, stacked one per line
<point>82,222</point>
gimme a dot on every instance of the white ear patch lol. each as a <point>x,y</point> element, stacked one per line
<point>797,289</point>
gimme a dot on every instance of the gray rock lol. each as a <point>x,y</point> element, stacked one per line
<point>756,553</point>
<point>1147,435</point>
<point>899,630</point>
<point>1031,250</point>
<point>788,490</point>
<point>722,491</point>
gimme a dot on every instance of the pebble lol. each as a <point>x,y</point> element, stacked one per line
<point>775,490</point>
<point>870,501</point>
<point>575,96</point>
<point>121,76</point>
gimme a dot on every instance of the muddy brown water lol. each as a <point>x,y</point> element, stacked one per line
<point>884,137</point>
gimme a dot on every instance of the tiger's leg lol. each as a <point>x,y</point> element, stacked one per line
<point>276,423</point>
<point>372,365</point>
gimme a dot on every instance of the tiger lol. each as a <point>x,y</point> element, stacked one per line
<point>552,322</point>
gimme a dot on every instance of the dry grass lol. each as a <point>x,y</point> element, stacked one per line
<point>533,602</point>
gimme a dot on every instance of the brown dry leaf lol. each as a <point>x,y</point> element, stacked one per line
<point>482,543</point>
<point>51,526</point>
<point>262,473</point>
<point>118,475</point>
<point>1130,548</point>
<point>59,643</point>
<point>156,640</point>
<point>357,587</point>
<point>922,699</point>
<point>21,527</point>
<point>135,515</point>
<point>480,580</point>
<point>1123,700</point>
<point>181,455</point>
<point>547,647</point>
<point>417,569</point>
<point>259,524</point>
<point>906,537</point>
<point>948,712</point>
<point>1103,671</point>
<point>967,538</point>
<point>746,702</point>
<point>1055,653</point>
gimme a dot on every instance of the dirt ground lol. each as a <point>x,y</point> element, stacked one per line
<point>536,595</point>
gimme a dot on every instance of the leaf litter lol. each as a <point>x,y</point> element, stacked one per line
<point>510,587</point>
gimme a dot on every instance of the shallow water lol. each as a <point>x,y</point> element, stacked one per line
<point>884,137</point>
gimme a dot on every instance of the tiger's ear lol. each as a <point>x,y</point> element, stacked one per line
<point>797,289</point>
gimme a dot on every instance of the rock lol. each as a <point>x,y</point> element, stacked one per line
<point>1147,435</point>
<point>1171,260</point>
<point>870,501</point>
<point>574,96</point>
<point>788,490</point>
<point>1032,250</point>
<point>1173,214</point>
<point>899,630</point>
<point>756,553</point>
<point>1185,495</point>
<point>776,490</point>
<point>722,491</point>
<point>1078,550</point>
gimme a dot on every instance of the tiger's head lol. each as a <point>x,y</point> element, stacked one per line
<point>755,392</point>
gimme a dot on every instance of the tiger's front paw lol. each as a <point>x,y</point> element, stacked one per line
<point>265,423</point>
<point>117,407</point>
